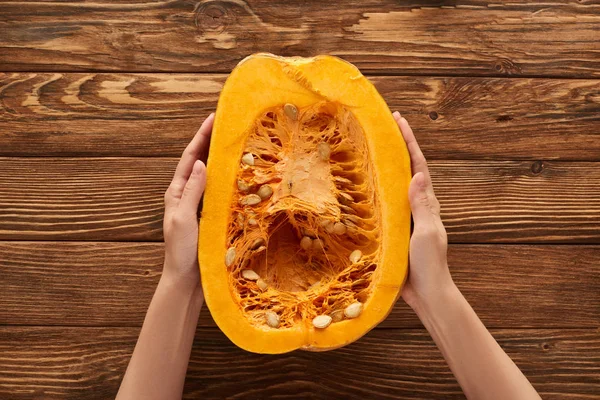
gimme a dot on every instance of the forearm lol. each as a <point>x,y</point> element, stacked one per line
<point>482,368</point>
<point>158,366</point>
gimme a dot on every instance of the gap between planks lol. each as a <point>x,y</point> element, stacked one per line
<point>204,327</point>
<point>366,73</point>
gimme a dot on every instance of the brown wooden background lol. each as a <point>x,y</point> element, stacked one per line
<point>98,99</point>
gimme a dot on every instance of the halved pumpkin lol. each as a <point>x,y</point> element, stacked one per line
<point>306,222</point>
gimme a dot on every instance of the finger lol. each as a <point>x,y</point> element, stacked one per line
<point>197,149</point>
<point>421,200</point>
<point>193,190</point>
<point>417,159</point>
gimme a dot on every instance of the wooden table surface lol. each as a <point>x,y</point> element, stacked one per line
<point>98,99</point>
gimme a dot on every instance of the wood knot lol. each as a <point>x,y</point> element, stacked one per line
<point>213,17</point>
<point>433,115</point>
<point>545,346</point>
<point>504,118</point>
<point>537,167</point>
<point>507,67</point>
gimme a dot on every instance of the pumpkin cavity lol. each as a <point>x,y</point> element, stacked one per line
<point>302,241</point>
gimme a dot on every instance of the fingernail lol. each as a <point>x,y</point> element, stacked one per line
<point>396,114</point>
<point>403,120</point>
<point>197,168</point>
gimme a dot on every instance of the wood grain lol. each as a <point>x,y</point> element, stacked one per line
<point>518,201</point>
<point>111,284</point>
<point>103,114</point>
<point>534,38</point>
<point>86,86</point>
<point>83,199</point>
<point>78,283</point>
<point>53,363</point>
<point>119,199</point>
<point>74,114</point>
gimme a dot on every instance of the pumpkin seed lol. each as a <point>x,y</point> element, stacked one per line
<point>329,227</point>
<point>348,223</point>
<point>348,210</point>
<point>252,222</point>
<point>242,186</point>
<point>342,180</point>
<point>339,228</point>
<point>261,249</point>
<point>318,245</point>
<point>306,243</point>
<point>249,275</point>
<point>355,256</point>
<point>309,233</point>
<point>345,198</point>
<point>248,159</point>
<point>324,222</point>
<point>352,218</point>
<point>262,285</point>
<point>272,319</point>
<point>230,256</point>
<point>324,151</point>
<point>240,219</point>
<point>353,310</point>
<point>291,111</point>
<point>257,243</point>
<point>250,200</point>
<point>337,316</point>
<point>265,191</point>
<point>321,321</point>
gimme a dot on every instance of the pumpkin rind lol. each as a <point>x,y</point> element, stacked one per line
<point>261,82</point>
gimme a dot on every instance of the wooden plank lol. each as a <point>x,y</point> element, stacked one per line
<point>103,114</point>
<point>99,284</point>
<point>73,114</point>
<point>78,283</point>
<point>533,38</point>
<point>518,201</point>
<point>120,199</point>
<point>88,363</point>
<point>83,199</point>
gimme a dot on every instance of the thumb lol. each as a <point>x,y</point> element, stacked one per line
<point>420,201</point>
<point>194,189</point>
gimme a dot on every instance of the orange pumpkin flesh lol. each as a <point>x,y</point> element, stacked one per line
<point>305,210</point>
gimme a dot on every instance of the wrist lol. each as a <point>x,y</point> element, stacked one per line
<point>173,281</point>
<point>437,301</point>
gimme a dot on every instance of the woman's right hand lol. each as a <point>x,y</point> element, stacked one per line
<point>428,274</point>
